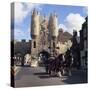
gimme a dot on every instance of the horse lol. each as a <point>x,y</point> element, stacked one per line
<point>67,64</point>
<point>51,65</point>
<point>55,65</point>
<point>61,64</point>
<point>58,64</point>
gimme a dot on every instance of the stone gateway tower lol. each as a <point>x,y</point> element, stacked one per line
<point>53,32</point>
<point>35,29</point>
<point>44,33</point>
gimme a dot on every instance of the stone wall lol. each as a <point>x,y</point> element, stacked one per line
<point>22,47</point>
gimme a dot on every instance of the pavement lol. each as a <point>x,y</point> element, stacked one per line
<point>36,76</point>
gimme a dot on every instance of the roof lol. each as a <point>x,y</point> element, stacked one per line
<point>64,36</point>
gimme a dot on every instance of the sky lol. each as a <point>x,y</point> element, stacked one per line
<point>69,17</point>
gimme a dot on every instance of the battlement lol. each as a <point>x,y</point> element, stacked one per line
<point>35,12</point>
<point>22,41</point>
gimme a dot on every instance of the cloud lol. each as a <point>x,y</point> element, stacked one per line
<point>23,9</point>
<point>72,22</point>
<point>31,6</point>
<point>21,12</point>
<point>63,27</point>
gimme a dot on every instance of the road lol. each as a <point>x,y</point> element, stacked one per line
<point>29,77</point>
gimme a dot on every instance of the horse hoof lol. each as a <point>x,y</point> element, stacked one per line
<point>59,74</point>
<point>70,74</point>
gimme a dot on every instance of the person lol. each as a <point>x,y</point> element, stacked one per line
<point>59,65</point>
<point>46,61</point>
<point>68,61</point>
